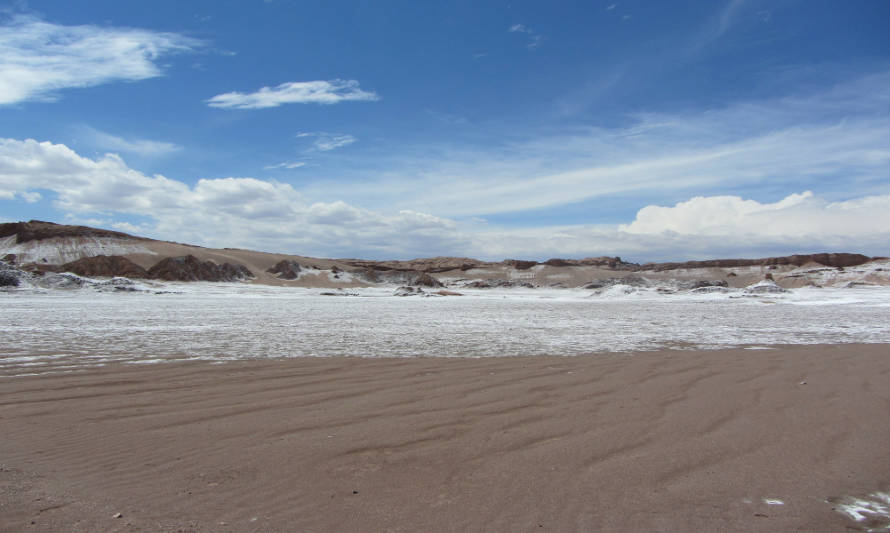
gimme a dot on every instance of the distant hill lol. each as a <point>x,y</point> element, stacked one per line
<point>40,246</point>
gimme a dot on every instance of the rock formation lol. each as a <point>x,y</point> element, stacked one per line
<point>10,276</point>
<point>190,268</point>
<point>519,264</point>
<point>35,230</point>
<point>286,269</point>
<point>429,265</point>
<point>105,266</point>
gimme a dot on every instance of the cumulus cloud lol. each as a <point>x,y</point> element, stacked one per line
<point>711,227</point>
<point>142,147</point>
<point>296,92</point>
<point>38,59</point>
<point>801,215</point>
<point>228,211</point>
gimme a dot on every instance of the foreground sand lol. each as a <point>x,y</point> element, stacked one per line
<point>667,441</point>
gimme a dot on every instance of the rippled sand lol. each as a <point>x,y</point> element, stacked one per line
<point>729,440</point>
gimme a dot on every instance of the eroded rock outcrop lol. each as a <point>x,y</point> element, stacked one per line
<point>286,269</point>
<point>613,263</point>
<point>35,230</point>
<point>107,266</point>
<point>10,276</point>
<point>519,264</point>
<point>190,268</point>
<point>411,278</point>
<point>429,265</point>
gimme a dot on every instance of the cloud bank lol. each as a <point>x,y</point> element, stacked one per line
<point>38,59</point>
<point>296,92</point>
<point>273,216</point>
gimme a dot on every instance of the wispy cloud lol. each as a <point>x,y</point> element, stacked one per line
<point>38,59</point>
<point>286,165</point>
<point>610,7</point>
<point>447,118</point>
<point>833,142</point>
<point>720,24</point>
<point>325,142</point>
<point>297,92</point>
<point>535,39</point>
<point>114,143</point>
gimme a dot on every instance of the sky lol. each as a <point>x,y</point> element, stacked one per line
<point>654,131</point>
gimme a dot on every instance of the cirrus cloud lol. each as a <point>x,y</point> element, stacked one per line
<point>295,92</point>
<point>38,59</point>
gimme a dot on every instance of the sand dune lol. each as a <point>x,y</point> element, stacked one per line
<point>663,441</point>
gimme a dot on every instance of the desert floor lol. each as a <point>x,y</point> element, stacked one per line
<point>729,440</point>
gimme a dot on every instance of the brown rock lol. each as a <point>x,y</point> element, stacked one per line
<point>105,266</point>
<point>190,268</point>
<point>429,265</point>
<point>425,280</point>
<point>519,264</point>
<point>35,230</point>
<point>286,269</point>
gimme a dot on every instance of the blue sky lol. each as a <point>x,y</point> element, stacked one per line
<point>651,130</point>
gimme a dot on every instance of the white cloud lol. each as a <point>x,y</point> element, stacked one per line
<point>610,7</point>
<point>268,215</point>
<point>832,142</point>
<point>37,59</point>
<point>534,38</point>
<point>325,142</point>
<point>30,196</point>
<point>286,165</point>
<point>230,211</point>
<point>797,216</point>
<point>297,92</point>
<point>708,227</point>
<point>142,147</point>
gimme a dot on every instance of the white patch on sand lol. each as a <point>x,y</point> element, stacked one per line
<point>876,507</point>
<point>339,277</point>
<point>773,501</point>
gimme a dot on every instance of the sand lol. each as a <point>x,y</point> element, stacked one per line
<point>661,441</point>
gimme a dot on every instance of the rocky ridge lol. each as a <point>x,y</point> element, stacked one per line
<point>35,230</point>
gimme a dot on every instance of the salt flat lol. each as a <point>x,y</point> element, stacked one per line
<point>63,330</point>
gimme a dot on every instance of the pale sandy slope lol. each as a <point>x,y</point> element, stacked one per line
<point>673,441</point>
